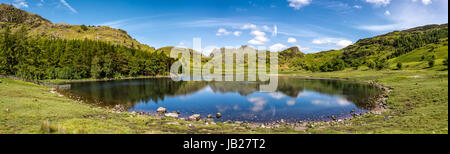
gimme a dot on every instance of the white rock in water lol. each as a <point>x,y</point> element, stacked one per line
<point>172,115</point>
<point>161,110</point>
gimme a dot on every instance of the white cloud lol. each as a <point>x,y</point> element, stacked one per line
<point>117,23</point>
<point>237,33</point>
<point>321,41</point>
<point>424,2</point>
<point>344,43</point>
<point>209,49</point>
<point>258,33</point>
<point>277,47</point>
<point>378,28</point>
<point>302,48</point>
<point>258,103</point>
<point>335,41</point>
<point>260,38</point>
<point>249,26</point>
<point>290,102</point>
<point>407,14</point>
<point>337,102</point>
<point>297,4</point>
<point>41,3</point>
<point>222,32</point>
<point>379,2</point>
<point>277,95</point>
<point>68,6</point>
<point>292,40</point>
<point>181,44</point>
<point>357,6</point>
<point>20,4</point>
<point>387,13</point>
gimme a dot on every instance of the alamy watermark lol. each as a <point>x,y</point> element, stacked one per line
<point>226,64</point>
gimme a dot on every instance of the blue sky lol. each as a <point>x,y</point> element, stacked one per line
<point>313,25</point>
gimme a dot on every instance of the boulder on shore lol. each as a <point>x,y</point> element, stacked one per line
<point>210,116</point>
<point>195,117</point>
<point>161,110</point>
<point>219,115</point>
<point>334,118</point>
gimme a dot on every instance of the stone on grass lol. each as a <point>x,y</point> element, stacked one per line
<point>173,123</point>
<point>53,90</point>
<point>171,115</point>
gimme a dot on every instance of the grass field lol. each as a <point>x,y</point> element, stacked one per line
<point>417,104</point>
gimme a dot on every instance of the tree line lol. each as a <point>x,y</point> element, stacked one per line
<point>409,42</point>
<point>43,58</point>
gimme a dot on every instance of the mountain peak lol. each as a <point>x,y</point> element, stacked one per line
<point>294,49</point>
<point>10,14</point>
<point>3,5</point>
<point>291,53</point>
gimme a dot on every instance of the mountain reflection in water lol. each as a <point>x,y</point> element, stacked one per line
<point>295,99</point>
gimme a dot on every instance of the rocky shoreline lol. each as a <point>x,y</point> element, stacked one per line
<point>379,102</point>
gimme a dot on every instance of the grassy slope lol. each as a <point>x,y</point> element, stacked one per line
<point>41,27</point>
<point>101,33</point>
<point>418,104</point>
<point>31,106</point>
<point>413,59</point>
<point>316,59</point>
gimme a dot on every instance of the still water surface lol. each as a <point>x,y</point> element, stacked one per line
<point>296,99</point>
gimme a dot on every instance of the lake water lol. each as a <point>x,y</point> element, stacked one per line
<point>296,99</point>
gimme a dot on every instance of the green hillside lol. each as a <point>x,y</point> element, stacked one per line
<point>424,47</point>
<point>382,52</point>
<point>419,58</point>
<point>39,26</point>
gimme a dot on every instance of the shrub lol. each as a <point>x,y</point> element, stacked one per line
<point>84,27</point>
<point>431,63</point>
<point>399,66</point>
<point>371,64</point>
<point>381,64</point>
